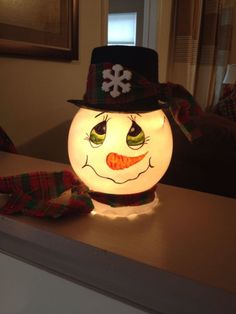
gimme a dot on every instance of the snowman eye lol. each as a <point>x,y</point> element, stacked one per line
<point>135,137</point>
<point>98,134</point>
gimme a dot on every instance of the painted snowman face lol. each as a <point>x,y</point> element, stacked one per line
<point>120,153</point>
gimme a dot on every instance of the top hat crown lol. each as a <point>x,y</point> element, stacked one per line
<point>123,79</point>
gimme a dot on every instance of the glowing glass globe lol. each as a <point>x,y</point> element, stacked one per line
<point>120,153</point>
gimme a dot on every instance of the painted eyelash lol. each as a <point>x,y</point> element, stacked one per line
<point>147,139</point>
<point>132,118</point>
<point>87,137</point>
<point>164,121</point>
<point>106,118</point>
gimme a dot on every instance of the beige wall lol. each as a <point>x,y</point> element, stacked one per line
<point>33,93</point>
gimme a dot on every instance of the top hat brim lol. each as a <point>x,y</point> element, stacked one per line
<point>139,106</point>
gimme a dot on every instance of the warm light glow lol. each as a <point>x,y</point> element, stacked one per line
<point>120,153</point>
<point>129,212</point>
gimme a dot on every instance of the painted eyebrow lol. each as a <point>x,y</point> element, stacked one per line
<point>138,114</point>
<point>99,114</point>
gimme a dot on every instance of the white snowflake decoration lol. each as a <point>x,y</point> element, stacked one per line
<point>116,80</point>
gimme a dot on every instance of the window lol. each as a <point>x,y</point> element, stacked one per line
<point>122,28</point>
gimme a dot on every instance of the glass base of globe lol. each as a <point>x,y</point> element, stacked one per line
<point>129,212</point>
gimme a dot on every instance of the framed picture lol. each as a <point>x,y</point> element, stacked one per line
<point>39,29</point>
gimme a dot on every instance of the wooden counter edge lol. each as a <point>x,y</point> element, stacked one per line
<point>148,288</point>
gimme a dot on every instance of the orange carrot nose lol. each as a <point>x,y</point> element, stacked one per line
<point>117,162</point>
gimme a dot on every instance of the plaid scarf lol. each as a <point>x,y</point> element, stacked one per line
<point>34,194</point>
<point>183,108</point>
<point>125,200</point>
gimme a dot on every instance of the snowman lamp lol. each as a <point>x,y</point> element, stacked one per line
<point>120,141</point>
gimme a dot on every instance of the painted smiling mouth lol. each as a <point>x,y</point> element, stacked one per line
<point>108,178</point>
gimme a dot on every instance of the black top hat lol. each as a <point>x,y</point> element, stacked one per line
<point>124,79</point>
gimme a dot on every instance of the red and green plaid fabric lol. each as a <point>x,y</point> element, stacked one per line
<point>183,108</point>
<point>33,193</point>
<point>125,200</point>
